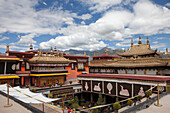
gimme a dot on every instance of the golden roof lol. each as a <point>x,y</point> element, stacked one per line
<point>143,49</point>
<point>129,63</point>
<point>133,65</point>
<point>49,59</point>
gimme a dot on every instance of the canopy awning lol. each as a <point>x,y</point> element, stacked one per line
<point>37,96</point>
<point>8,76</point>
<point>18,95</point>
<point>50,74</point>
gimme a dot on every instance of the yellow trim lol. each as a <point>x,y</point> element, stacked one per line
<point>52,74</point>
<point>9,58</point>
<point>8,77</point>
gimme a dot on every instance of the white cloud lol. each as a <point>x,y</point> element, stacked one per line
<point>73,42</point>
<point>167,4</point>
<point>160,45</point>
<point>4,38</point>
<point>44,3</point>
<point>149,18</point>
<point>155,42</point>
<point>21,17</point>
<point>82,22</point>
<point>100,5</point>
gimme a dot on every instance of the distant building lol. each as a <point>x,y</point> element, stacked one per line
<point>48,69</point>
<point>38,68</point>
<point>140,59</point>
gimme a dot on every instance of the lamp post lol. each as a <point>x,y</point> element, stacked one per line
<point>159,105</point>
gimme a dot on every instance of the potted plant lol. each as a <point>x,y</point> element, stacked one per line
<point>130,102</point>
<point>95,111</point>
<point>33,90</point>
<point>116,107</point>
<point>50,84</point>
<point>61,84</point>
<point>50,95</point>
<point>27,86</point>
<point>139,98</point>
<point>75,105</point>
<point>148,94</point>
<point>70,82</point>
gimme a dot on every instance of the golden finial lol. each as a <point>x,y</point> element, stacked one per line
<point>131,42</point>
<point>147,40</point>
<point>105,51</point>
<point>124,50</point>
<point>84,53</point>
<point>55,49</point>
<point>51,50</point>
<point>166,50</point>
<point>94,54</point>
<point>140,42</point>
<point>7,47</point>
<point>31,47</point>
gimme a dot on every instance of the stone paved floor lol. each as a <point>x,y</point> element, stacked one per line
<point>165,101</point>
<point>15,108</point>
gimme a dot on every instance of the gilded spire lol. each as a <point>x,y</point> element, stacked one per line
<point>84,53</point>
<point>147,40</point>
<point>55,49</point>
<point>31,47</point>
<point>105,51</point>
<point>166,50</point>
<point>51,50</point>
<point>7,47</point>
<point>140,42</point>
<point>131,42</point>
<point>94,54</point>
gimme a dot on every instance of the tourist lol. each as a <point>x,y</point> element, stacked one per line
<point>44,84</point>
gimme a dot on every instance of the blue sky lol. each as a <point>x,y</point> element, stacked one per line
<point>83,24</point>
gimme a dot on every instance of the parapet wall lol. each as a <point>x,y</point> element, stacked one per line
<point>145,104</point>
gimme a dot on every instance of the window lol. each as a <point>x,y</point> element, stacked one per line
<point>80,66</point>
<point>72,66</point>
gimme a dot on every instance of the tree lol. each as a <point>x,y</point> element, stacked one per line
<point>100,100</point>
<point>116,107</point>
<point>130,102</point>
<point>76,100</point>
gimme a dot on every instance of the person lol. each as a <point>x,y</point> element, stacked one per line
<point>56,83</point>
<point>44,84</point>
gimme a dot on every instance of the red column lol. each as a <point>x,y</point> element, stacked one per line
<point>22,80</point>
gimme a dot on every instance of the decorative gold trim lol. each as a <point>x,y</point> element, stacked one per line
<point>52,74</point>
